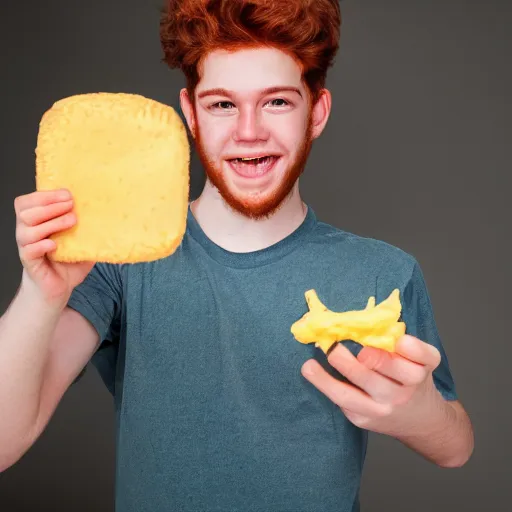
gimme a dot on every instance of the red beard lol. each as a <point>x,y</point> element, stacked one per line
<point>263,206</point>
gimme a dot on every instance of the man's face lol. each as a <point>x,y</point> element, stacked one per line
<point>235,117</point>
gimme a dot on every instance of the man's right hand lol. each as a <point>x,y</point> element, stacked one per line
<point>44,345</point>
<point>39,215</point>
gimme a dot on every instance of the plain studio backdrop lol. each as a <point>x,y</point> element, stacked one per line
<point>416,153</point>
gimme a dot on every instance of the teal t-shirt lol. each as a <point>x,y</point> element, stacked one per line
<point>213,414</point>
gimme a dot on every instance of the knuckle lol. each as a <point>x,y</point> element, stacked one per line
<point>384,410</point>
<point>17,204</point>
<point>419,376</point>
<point>373,358</point>
<point>388,393</point>
<point>423,373</point>
<point>414,377</point>
<point>20,236</point>
<point>378,360</point>
<point>357,419</point>
<point>27,253</point>
<point>364,378</point>
<point>401,399</point>
<point>434,355</point>
<point>24,216</point>
<point>361,422</point>
<point>29,235</point>
<point>360,377</point>
<point>24,254</point>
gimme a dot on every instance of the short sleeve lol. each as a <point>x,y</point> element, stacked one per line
<point>99,299</point>
<point>418,315</point>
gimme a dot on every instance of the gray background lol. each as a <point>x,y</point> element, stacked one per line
<point>415,154</point>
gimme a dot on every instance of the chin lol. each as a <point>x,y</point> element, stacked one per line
<point>254,208</point>
<point>255,198</point>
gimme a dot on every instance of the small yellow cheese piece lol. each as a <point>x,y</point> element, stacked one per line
<point>374,326</point>
<point>125,159</point>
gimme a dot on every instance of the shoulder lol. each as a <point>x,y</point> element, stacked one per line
<point>369,251</point>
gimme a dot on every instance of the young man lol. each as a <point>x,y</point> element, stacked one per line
<point>218,407</point>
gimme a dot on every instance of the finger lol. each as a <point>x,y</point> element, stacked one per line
<point>342,394</point>
<point>29,235</point>
<point>379,387</point>
<point>393,366</point>
<point>37,250</point>
<point>418,351</point>
<point>41,198</point>
<point>39,214</point>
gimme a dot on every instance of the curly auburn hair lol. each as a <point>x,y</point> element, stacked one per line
<point>307,30</point>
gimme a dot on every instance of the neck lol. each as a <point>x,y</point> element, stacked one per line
<point>235,232</point>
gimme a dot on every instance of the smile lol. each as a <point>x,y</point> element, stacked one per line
<point>253,167</point>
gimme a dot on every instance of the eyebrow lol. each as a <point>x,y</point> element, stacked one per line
<point>268,90</point>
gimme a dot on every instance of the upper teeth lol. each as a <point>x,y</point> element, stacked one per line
<point>245,159</point>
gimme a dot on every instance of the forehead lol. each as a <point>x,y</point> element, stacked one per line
<point>249,70</point>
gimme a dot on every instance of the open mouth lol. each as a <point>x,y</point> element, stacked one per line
<point>253,167</point>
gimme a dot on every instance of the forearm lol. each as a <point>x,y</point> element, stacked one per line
<point>26,330</point>
<point>442,432</point>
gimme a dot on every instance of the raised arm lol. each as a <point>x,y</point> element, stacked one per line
<point>43,344</point>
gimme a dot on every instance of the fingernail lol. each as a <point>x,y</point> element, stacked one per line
<point>309,368</point>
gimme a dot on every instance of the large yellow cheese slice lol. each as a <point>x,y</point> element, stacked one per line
<point>125,158</point>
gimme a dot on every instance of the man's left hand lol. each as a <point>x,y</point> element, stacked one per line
<point>391,393</point>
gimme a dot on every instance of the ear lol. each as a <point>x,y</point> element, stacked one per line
<point>187,108</point>
<point>321,112</point>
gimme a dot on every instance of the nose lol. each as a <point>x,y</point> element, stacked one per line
<point>250,127</point>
